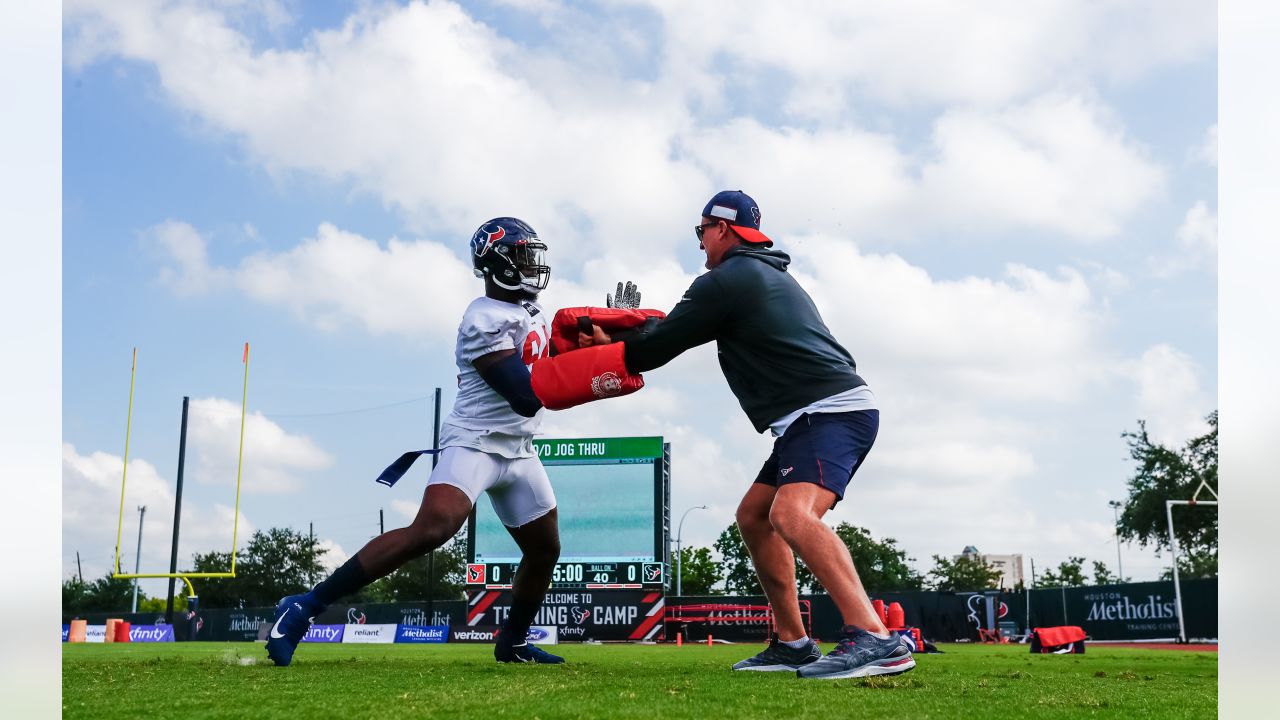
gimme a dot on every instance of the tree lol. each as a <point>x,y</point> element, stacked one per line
<point>881,565</point>
<point>1070,573</point>
<point>964,574</point>
<point>699,572</point>
<point>1102,575</point>
<point>106,594</point>
<point>410,581</point>
<point>1164,474</point>
<point>275,563</point>
<point>739,574</point>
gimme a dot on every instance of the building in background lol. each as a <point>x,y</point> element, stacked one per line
<point>1009,566</point>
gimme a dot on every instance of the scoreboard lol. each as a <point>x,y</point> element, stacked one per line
<point>613,502</point>
<point>592,576</point>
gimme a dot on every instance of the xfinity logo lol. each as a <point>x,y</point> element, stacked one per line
<point>323,633</point>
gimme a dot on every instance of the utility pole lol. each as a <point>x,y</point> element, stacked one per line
<point>177,509</point>
<point>79,570</point>
<point>311,535</point>
<point>382,528</point>
<point>431,557</point>
<point>1115,507</point>
<point>137,558</point>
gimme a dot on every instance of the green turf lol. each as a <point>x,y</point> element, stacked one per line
<point>232,680</point>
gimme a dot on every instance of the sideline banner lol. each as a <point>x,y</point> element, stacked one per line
<point>151,633</point>
<point>66,632</point>
<point>422,633</point>
<point>544,635</point>
<point>324,634</point>
<point>369,634</point>
<point>579,614</point>
<point>95,633</point>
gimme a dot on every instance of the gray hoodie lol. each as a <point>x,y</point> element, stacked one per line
<point>774,349</point>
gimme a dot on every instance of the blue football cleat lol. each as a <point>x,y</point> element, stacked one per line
<point>293,618</point>
<point>527,653</point>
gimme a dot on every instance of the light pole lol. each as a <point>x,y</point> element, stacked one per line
<point>679,535</point>
<point>1115,507</point>
<point>137,559</point>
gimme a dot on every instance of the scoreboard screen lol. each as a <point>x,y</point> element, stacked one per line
<point>612,501</point>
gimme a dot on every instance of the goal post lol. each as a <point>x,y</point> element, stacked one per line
<point>124,477</point>
<point>1173,546</point>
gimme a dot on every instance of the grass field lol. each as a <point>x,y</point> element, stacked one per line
<point>232,680</point>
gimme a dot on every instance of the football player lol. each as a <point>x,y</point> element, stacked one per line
<point>487,447</point>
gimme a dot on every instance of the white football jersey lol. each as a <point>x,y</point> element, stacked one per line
<point>481,418</point>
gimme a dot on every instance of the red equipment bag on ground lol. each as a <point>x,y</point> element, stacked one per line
<point>569,321</point>
<point>1058,640</point>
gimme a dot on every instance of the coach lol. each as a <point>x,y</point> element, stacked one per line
<point>793,378</point>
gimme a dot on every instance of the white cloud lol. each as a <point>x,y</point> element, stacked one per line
<point>1170,397</point>
<point>1197,245</point>
<point>90,513</point>
<point>517,130</point>
<point>273,457</point>
<point>1059,163</point>
<point>1207,152</point>
<point>930,52</point>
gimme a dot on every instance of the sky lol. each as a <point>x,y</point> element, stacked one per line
<point>1009,218</point>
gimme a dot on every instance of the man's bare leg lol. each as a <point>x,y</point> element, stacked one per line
<point>775,565</point>
<point>443,510</point>
<point>796,515</point>
<point>539,542</point>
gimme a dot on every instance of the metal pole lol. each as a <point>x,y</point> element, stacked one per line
<point>1115,507</point>
<point>137,558</point>
<point>679,552</point>
<point>431,556</point>
<point>382,528</point>
<point>79,570</point>
<point>1064,604</point>
<point>1173,545</point>
<point>311,536</point>
<point>177,510</point>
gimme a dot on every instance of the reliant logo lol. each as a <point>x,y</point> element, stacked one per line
<point>1124,609</point>
<point>366,632</point>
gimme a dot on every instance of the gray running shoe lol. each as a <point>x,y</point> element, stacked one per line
<point>861,654</point>
<point>778,656</point>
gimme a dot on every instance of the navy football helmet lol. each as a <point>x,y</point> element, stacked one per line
<point>507,250</point>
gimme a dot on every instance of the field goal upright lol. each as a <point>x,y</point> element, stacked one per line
<point>124,478</point>
<point>1173,545</point>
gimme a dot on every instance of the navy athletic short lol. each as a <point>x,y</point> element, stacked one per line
<point>825,449</point>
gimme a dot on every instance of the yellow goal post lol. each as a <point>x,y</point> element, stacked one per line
<point>124,479</point>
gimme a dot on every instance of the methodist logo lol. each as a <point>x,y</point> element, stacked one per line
<point>422,634</point>
<point>1122,608</point>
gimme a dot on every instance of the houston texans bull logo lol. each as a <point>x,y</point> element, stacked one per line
<point>485,237</point>
<point>579,614</point>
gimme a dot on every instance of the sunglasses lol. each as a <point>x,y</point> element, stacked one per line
<point>700,229</point>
